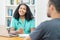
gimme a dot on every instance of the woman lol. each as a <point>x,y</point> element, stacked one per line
<point>23,21</point>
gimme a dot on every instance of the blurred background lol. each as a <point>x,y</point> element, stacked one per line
<point>38,8</point>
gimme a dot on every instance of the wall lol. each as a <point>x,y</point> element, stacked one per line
<point>41,11</point>
<point>2,12</point>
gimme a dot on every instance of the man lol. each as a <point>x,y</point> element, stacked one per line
<point>49,30</point>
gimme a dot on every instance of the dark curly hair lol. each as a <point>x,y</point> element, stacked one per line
<point>28,15</point>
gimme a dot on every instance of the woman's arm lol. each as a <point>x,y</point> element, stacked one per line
<point>19,31</point>
<point>32,27</point>
<point>12,30</point>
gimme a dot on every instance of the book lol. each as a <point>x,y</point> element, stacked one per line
<point>17,2</point>
<point>10,12</point>
<point>32,2</point>
<point>11,2</point>
<point>8,22</point>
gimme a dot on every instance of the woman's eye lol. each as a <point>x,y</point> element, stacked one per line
<point>20,8</point>
<point>24,9</point>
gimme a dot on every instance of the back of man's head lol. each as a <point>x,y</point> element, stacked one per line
<point>56,3</point>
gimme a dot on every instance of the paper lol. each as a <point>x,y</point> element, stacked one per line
<point>23,35</point>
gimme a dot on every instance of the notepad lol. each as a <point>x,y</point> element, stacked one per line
<point>23,35</point>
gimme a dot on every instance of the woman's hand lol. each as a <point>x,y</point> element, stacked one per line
<point>32,29</point>
<point>20,31</point>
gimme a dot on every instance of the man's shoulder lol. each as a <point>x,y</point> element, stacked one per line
<point>46,23</point>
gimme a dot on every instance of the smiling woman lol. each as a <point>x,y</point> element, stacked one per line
<point>23,21</point>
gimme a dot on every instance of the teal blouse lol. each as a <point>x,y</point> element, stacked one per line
<point>26,25</point>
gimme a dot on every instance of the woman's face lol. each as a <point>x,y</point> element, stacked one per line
<point>22,10</point>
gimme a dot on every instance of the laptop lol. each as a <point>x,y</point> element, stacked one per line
<point>4,31</point>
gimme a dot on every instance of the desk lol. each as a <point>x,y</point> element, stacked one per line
<point>10,38</point>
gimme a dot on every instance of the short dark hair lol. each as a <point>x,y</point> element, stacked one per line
<point>56,3</point>
<point>28,15</point>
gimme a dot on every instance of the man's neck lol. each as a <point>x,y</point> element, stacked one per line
<point>56,15</point>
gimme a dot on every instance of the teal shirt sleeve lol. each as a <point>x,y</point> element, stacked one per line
<point>32,23</point>
<point>13,23</point>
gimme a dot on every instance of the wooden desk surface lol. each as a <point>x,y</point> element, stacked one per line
<point>10,38</point>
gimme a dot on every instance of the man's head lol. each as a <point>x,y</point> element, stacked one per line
<point>54,8</point>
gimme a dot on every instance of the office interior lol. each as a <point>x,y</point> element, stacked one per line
<point>40,13</point>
